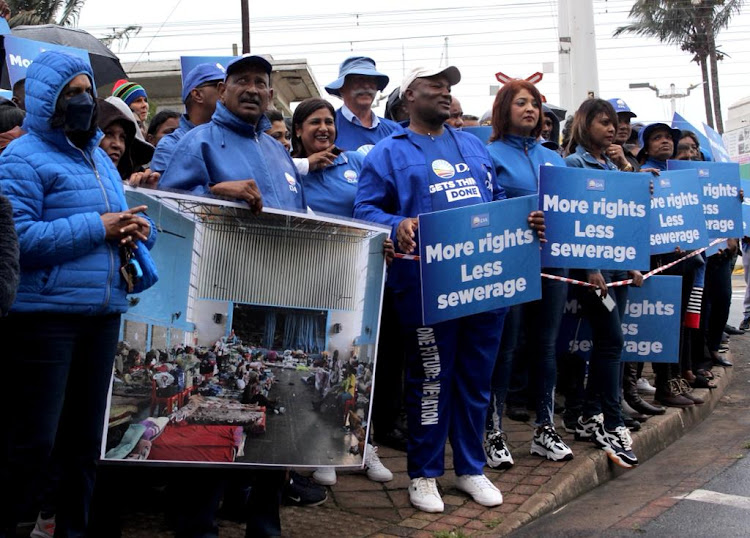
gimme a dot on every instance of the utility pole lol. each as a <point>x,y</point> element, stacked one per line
<point>672,95</point>
<point>579,74</point>
<point>245,14</point>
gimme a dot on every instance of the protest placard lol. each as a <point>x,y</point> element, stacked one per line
<point>595,219</point>
<point>478,258</point>
<point>720,184</point>
<point>745,183</point>
<point>258,352</point>
<point>651,325</point>
<point>677,212</point>
<point>20,53</point>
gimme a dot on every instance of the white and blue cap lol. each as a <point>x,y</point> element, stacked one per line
<point>249,59</point>
<point>200,74</point>
<point>451,73</point>
<point>357,65</point>
<point>621,107</point>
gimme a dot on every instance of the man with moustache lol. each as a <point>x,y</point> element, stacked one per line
<point>457,356</point>
<point>358,128</point>
<point>232,156</point>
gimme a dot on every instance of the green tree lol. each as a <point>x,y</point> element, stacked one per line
<point>62,12</point>
<point>693,26</point>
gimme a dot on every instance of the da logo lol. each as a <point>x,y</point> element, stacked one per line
<point>703,172</point>
<point>664,183</point>
<point>351,176</point>
<point>480,221</point>
<point>292,182</point>
<point>595,184</point>
<point>364,149</point>
<point>620,102</point>
<point>443,169</point>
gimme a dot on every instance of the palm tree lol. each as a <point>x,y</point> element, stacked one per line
<point>692,25</point>
<point>44,12</point>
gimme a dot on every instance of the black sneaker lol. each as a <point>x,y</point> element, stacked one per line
<point>517,413</point>
<point>301,491</point>
<point>617,444</point>
<point>745,325</point>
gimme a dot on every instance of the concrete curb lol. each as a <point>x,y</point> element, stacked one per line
<point>590,470</point>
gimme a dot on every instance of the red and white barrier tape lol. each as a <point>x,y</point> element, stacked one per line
<point>627,282</point>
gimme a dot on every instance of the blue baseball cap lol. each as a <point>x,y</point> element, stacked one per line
<point>249,59</point>
<point>200,74</point>
<point>357,65</point>
<point>621,107</point>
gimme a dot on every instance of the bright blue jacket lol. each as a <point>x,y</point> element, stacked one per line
<point>654,163</point>
<point>166,146</point>
<point>59,192</point>
<point>517,160</point>
<point>229,149</point>
<point>332,189</point>
<point>351,137</point>
<point>394,185</point>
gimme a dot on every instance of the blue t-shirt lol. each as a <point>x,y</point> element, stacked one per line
<point>452,184</point>
<point>332,189</point>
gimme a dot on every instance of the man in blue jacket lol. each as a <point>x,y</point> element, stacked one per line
<point>200,92</point>
<point>358,128</point>
<point>403,176</point>
<point>72,222</point>
<point>232,156</point>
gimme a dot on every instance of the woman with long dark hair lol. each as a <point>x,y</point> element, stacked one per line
<point>601,421</point>
<point>517,155</point>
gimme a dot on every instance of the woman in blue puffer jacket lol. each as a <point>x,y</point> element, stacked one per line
<point>72,223</point>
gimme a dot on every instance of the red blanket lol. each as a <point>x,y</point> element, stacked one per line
<point>197,442</point>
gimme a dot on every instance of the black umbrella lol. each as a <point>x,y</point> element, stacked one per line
<point>104,62</point>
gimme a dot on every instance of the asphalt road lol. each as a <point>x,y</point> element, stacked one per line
<point>697,487</point>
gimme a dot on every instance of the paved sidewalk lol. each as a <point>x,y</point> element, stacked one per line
<point>358,507</point>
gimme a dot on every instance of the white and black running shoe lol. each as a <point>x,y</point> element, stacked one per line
<point>547,443</point>
<point>617,444</point>
<point>586,427</point>
<point>497,451</point>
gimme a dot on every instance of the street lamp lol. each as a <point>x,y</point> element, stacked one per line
<point>672,95</point>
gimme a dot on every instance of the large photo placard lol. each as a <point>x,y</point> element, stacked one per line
<point>256,347</point>
<point>595,219</point>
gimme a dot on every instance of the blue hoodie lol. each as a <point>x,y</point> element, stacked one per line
<point>332,189</point>
<point>654,163</point>
<point>517,159</point>
<point>166,146</point>
<point>230,149</point>
<point>59,193</point>
<point>394,185</point>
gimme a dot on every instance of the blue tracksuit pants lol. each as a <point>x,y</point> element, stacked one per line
<point>448,377</point>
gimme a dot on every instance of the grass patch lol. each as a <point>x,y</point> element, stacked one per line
<point>492,523</point>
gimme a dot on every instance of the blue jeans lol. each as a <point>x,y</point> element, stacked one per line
<point>63,367</point>
<point>605,372</point>
<point>539,323</point>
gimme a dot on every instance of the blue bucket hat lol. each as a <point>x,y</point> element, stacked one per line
<point>645,133</point>
<point>621,107</point>
<point>200,74</point>
<point>357,65</point>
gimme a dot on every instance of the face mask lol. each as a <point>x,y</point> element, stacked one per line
<point>79,112</point>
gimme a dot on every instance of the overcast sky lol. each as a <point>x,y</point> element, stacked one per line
<point>483,37</point>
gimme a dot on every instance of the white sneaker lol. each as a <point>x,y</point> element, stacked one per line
<point>44,528</point>
<point>497,452</point>
<point>480,488</point>
<point>644,387</point>
<point>424,495</point>
<point>376,471</point>
<point>547,443</point>
<point>325,476</point>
